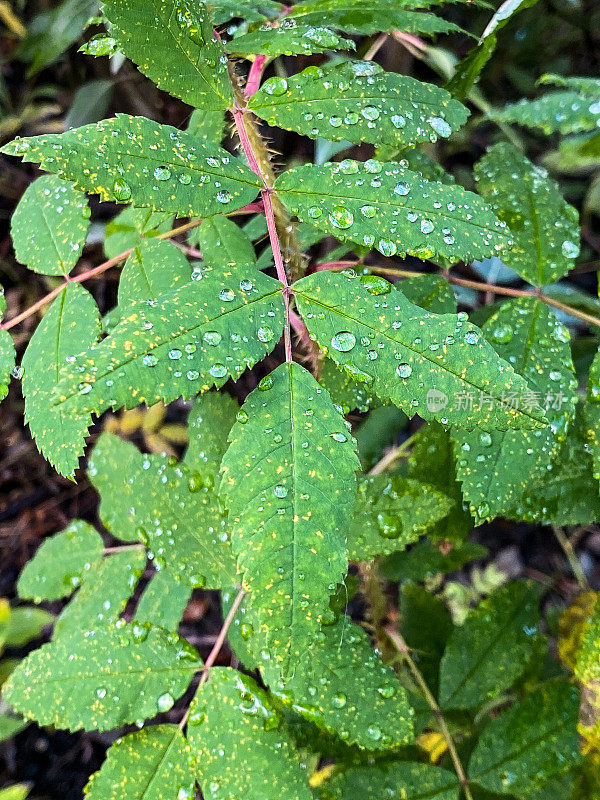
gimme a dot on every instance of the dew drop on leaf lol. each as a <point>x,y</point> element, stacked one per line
<point>343,341</point>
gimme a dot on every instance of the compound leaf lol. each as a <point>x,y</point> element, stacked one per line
<point>132,227</point>
<point>72,682</point>
<point>402,780</point>
<point>390,513</point>
<point>183,343</point>
<point>289,484</point>
<point>496,467</point>
<point>544,228</point>
<point>166,169</point>
<point>155,267</point>
<point>490,651</point>
<point>50,225</point>
<point>169,507</point>
<point>393,209</point>
<point>61,562</point>
<point>106,587</point>
<point>410,356</point>
<point>240,746</point>
<point>152,764</point>
<point>172,42</point>
<point>288,40</point>
<point>71,322</point>
<point>209,125</point>
<point>519,749</point>
<point>359,102</point>
<point>163,602</point>
<point>210,420</point>
<point>364,17</point>
<point>345,392</point>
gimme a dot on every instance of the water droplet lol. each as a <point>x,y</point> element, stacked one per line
<point>402,188</point>
<point>224,196</point>
<point>162,173</point>
<point>427,226</point>
<point>375,284</point>
<point>314,212</point>
<point>341,217</point>
<point>339,701</point>
<point>339,437</point>
<point>404,370</point>
<point>373,732</point>
<point>348,166</point>
<point>218,370</point>
<point>570,249</point>
<point>483,509</point>
<point>387,248</point>
<point>265,383</point>
<point>280,491</point>
<point>343,341</point>
<point>246,285</point>
<point>175,354</point>
<point>149,360</point>
<point>502,334</point>
<point>335,121</point>
<point>212,338</point>
<point>264,333</point>
<point>440,126</point>
<point>485,439</point>
<point>471,337</point>
<point>276,86</point>
<point>368,211</point>
<point>165,702</point>
<point>387,691</point>
<point>101,693</point>
<point>227,295</point>
<point>371,113</point>
<point>185,178</point>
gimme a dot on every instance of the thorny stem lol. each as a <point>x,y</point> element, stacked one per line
<point>255,75</point>
<point>212,656</point>
<point>266,193</point>
<point>404,651</point>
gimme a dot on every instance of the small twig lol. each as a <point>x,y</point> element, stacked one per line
<point>392,455</point>
<point>404,651</point>
<point>571,555</point>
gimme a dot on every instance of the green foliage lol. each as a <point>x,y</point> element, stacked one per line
<point>164,767</point>
<point>393,209</point>
<point>168,169</point>
<point>543,226</point>
<point>50,225</point>
<point>72,682</point>
<point>288,532</point>
<point>404,352</point>
<point>241,749</point>
<point>359,102</point>
<point>60,563</point>
<point>356,698</point>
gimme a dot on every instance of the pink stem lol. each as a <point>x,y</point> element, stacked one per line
<point>255,75</point>
<point>238,116</point>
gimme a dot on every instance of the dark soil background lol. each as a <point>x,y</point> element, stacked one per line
<point>553,36</point>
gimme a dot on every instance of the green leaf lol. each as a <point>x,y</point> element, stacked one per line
<point>432,461</point>
<point>103,595</point>
<point>390,513</point>
<point>167,169</point>
<point>531,743</point>
<point>71,323</point>
<point>152,764</point>
<point>468,70</point>
<point>342,687</point>
<point>169,507</point>
<point>431,292</point>
<point>155,267</point>
<point>177,50</point>
<point>570,111</point>
<point>544,228</point>
<point>60,563</point>
<point>359,102</point>
<point>363,16</point>
<point>497,467</point>
<point>487,654</point>
<point>402,780</point>
<point>425,625</point>
<point>26,623</point>
<point>10,726</point>
<point>425,560</point>
<point>183,343</point>
<point>210,420</point>
<point>240,746</point>
<point>410,356</point>
<point>131,227</point>
<point>288,40</point>
<point>249,10</point>
<point>208,125</point>
<point>223,242</point>
<point>592,414</point>
<point>7,357</point>
<point>567,494</point>
<point>72,682</point>
<point>345,392</point>
<point>397,211</point>
<point>289,490</point>
<point>163,602</point>
<point>50,225</point>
